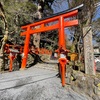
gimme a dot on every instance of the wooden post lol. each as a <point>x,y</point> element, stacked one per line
<point>88,51</point>
<point>62,45</point>
<point>62,62</point>
<point>26,49</point>
<point>61,33</point>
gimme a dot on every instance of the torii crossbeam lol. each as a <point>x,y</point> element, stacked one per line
<point>60,24</point>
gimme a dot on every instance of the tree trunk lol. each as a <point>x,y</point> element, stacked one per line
<point>1,61</point>
<point>4,39</point>
<point>36,37</point>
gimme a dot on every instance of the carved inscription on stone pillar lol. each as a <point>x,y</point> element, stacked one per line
<point>88,51</point>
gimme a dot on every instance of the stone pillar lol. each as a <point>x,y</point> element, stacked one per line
<point>88,51</point>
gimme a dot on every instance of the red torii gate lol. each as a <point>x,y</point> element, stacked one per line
<point>60,24</point>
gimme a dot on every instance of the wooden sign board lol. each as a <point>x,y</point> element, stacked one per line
<point>74,56</point>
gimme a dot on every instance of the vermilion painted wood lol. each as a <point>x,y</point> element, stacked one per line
<point>71,23</point>
<point>63,62</point>
<point>47,28</point>
<point>11,63</point>
<point>26,49</point>
<point>61,33</point>
<point>70,14</point>
<point>60,24</point>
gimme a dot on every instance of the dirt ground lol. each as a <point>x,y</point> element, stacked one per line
<point>35,83</point>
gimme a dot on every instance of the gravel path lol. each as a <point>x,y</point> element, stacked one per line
<point>35,84</point>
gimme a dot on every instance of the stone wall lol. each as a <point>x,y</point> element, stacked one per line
<point>84,84</point>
